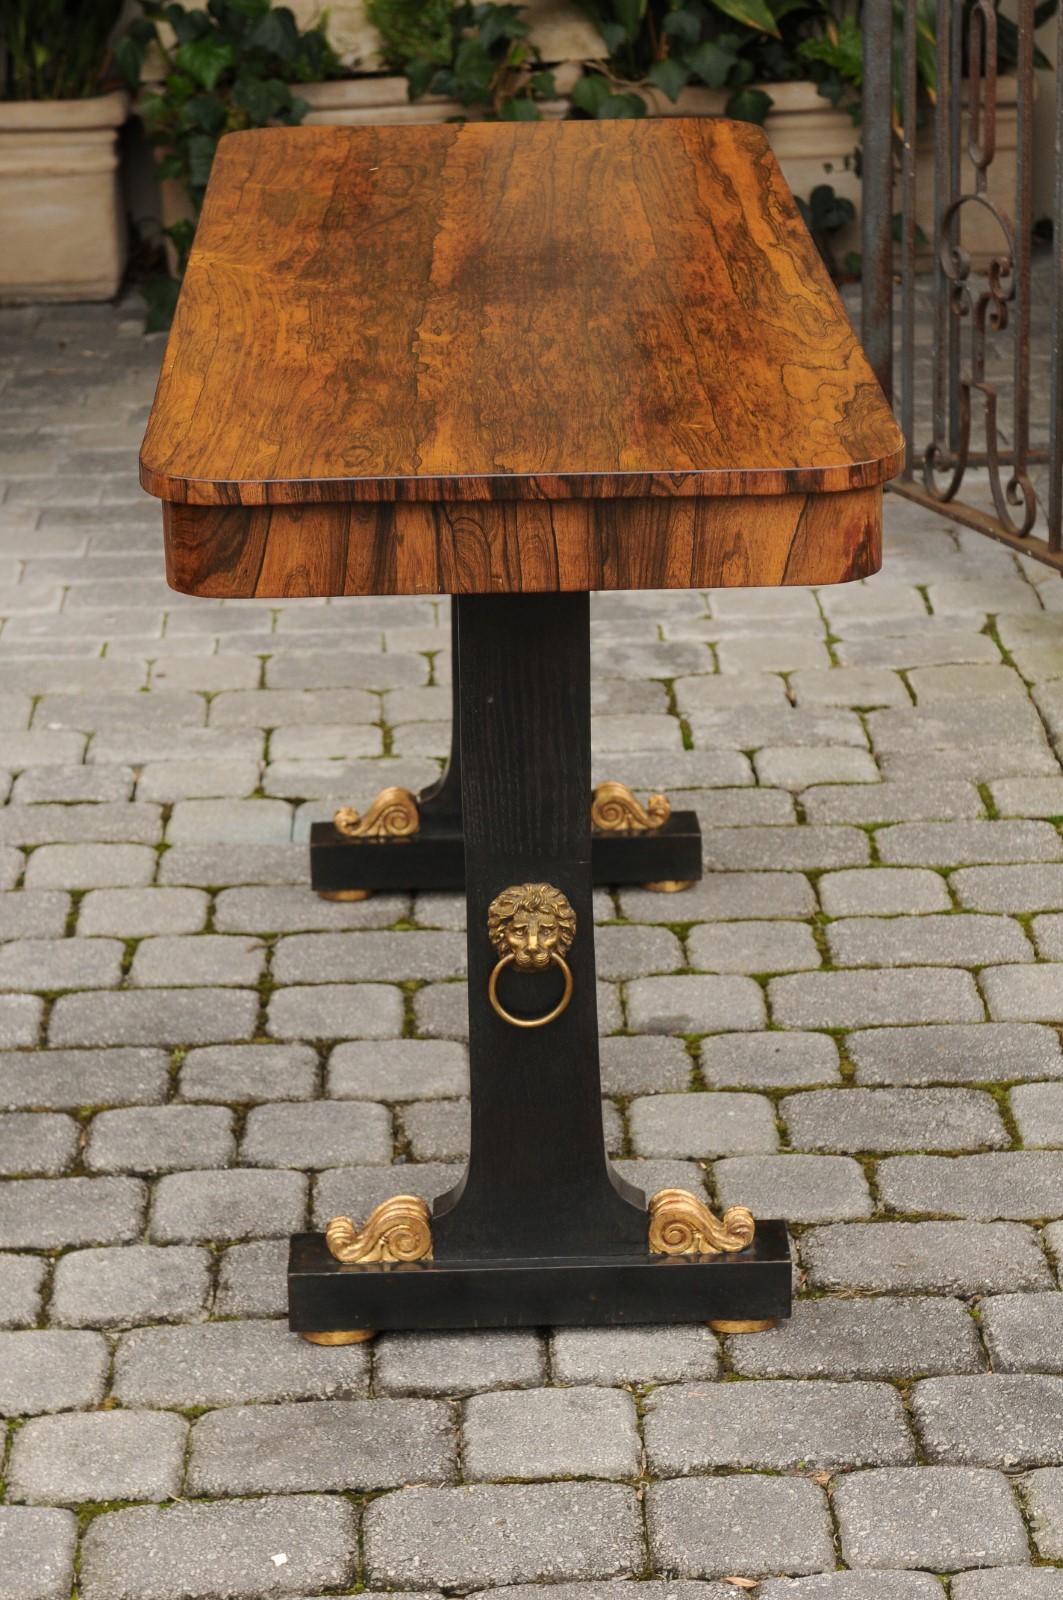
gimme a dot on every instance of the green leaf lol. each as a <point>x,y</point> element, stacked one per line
<point>205,59</point>
<point>669,75</point>
<point>159,293</point>
<point>754,13</point>
<point>261,98</point>
<point>589,91</point>
<point>748,105</point>
<point>419,75</point>
<point>622,106</point>
<point>614,36</point>
<point>200,148</point>
<point>630,14</point>
<point>682,25</point>
<point>711,64</point>
<point>544,84</point>
<point>277,34</point>
<point>519,110</point>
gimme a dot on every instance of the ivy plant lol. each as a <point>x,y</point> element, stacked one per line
<point>477,54</point>
<point>228,66</point>
<point>55,49</point>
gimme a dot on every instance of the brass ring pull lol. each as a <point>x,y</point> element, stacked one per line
<point>529,1022</point>
<point>531,925</point>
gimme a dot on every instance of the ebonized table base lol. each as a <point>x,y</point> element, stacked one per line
<point>541,1229</point>
<point>325,1295</point>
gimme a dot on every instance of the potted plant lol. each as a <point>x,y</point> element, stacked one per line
<point>63,230</point>
<point>219,69</point>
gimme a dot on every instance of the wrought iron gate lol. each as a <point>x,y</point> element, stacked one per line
<point>975,431</point>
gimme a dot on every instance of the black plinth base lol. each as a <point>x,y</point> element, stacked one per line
<point>435,858</point>
<point>326,1297</point>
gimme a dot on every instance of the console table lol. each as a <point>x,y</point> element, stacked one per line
<point>513,363</point>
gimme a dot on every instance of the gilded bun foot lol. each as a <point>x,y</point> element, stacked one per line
<point>742,1324</point>
<point>340,1336</point>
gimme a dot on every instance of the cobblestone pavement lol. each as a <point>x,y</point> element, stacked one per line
<point>853,1021</point>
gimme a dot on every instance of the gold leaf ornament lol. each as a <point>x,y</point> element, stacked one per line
<point>614,809</point>
<point>683,1225</point>
<point>398,1229</point>
<point>392,815</point>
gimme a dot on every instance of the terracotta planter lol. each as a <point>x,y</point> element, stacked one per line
<point>63,227</point>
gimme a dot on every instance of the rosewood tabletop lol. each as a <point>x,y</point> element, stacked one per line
<point>487,358</point>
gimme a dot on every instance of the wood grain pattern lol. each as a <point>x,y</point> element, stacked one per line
<point>507,312</point>
<point>485,547</point>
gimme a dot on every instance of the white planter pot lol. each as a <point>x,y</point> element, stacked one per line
<point>63,228</point>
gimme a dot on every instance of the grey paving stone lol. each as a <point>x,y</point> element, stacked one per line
<point>1043,1493</point>
<point>226,821</point>
<point>352,957</point>
<point>398,1069</point>
<point>320,1133</point>
<point>993,1420</point>
<point>226,1363</point>
<point>717,1123</point>
<point>1024,1332</point>
<point>959,939</point>
<point>227,1205</point>
<point>753,727</point>
<point>613,1591</point>
<point>980,763</point>
<point>1038,1112</point>
<point>796,766</point>
<point>170,781</point>
<point>81,825</point>
<point>42,749</point>
<point>771,1060</point>
<point>205,958</point>
<point>857,999</point>
<point>954,725</point>
<point>1028,797</point>
<point>850,686</point>
<point>909,800</point>
<point>48,964</point>
<point>1008,1184</point>
<point>958,844</point>
<point>116,1287</point>
<point>439,1130</point>
<point>354,1191</point>
<point>706,692</point>
<point>293,909</point>
<point>103,1455</point>
<point>244,1073</point>
<point>507,1533</point>
<point>138,913</point>
<point>88,712</point>
<point>1009,1583</point>
<point>219,866</point>
<point>321,1444</point>
<point>925,1257</point>
<point>622,952</point>
<point>36,1143</point>
<point>644,1354</point>
<point>775,1425</point>
<point>47,1213</point>
<point>1019,994</point>
<point>798,1187</point>
<point>884,1337</point>
<point>88,866</point>
<point>650,1064</point>
<point>47,1370</point>
<point>692,1004</point>
<point>989,1052</point>
<point>1048,933</point>
<point>882,891</point>
<point>1017,888</point>
<point>351,669</point>
<point>854,1586</point>
<point>221,1551</point>
<point>336,1011</point>
<point>944,1518</point>
<point>36,1552</point>
<point>443,1363</point>
<point>153,1139</point>
<point>12,862</point>
<point>742,1526</point>
<point>21,1282</point>
<point>163,1016</point>
<point>724,897</point>
<point>806,849</point>
<point>749,947</point>
<point>33,914</point>
<point>893,1119</point>
<point>67,1079</point>
<point>252,1280</point>
<point>551,1433</point>
<point>963,682</point>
